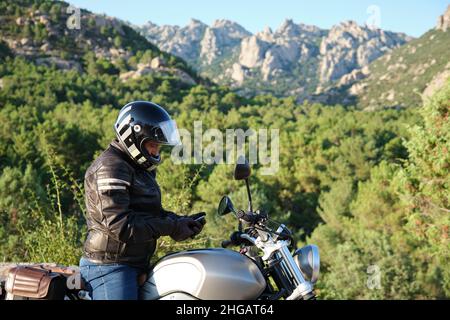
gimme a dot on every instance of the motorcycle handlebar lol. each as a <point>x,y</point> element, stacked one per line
<point>226,243</point>
<point>247,217</point>
<point>237,238</point>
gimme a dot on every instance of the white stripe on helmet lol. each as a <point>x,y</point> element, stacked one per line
<point>134,151</point>
<point>124,122</point>
<point>121,114</point>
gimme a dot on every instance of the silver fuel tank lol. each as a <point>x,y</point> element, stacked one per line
<point>207,274</point>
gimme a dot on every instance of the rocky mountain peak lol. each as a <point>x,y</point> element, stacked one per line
<point>230,29</point>
<point>220,38</point>
<point>224,23</point>
<point>348,24</point>
<point>228,53</point>
<point>195,27</point>
<point>267,30</point>
<point>287,23</point>
<point>288,28</point>
<point>193,23</point>
<point>149,24</point>
<point>266,34</point>
<point>347,29</point>
<point>444,21</point>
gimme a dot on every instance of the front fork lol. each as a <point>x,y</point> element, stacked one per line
<point>288,276</point>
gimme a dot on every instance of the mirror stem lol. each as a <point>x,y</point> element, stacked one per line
<point>250,206</point>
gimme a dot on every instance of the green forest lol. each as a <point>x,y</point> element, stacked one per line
<point>369,188</point>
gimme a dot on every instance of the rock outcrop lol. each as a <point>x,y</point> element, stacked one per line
<point>156,66</point>
<point>349,46</point>
<point>220,39</point>
<point>444,21</point>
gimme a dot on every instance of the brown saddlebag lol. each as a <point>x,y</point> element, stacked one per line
<point>35,283</point>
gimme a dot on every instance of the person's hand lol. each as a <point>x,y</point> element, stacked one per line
<point>185,227</point>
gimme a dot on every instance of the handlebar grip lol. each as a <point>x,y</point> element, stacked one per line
<point>226,243</point>
<point>247,217</point>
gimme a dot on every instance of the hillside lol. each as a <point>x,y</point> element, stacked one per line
<point>402,78</point>
<point>47,33</point>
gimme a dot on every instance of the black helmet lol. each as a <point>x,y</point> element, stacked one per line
<point>140,121</point>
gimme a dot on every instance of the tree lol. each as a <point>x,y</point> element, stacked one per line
<point>118,42</point>
<point>397,221</point>
<point>55,12</point>
<point>425,188</point>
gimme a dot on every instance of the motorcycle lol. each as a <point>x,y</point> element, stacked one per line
<point>223,274</point>
<point>263,269</point>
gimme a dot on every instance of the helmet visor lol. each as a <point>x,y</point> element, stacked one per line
<point>171,134</point>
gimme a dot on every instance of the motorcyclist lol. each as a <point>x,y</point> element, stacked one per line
<point>123,204</point>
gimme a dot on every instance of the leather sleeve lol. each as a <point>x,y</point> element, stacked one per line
<point>113,187</point>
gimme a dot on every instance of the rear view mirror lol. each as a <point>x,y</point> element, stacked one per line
<point>242,170</point>
<point>225,206</point>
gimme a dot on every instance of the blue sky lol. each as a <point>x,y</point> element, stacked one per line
<point>413,17</point>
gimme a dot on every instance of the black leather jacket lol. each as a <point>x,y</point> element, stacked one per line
<point>123,210</point>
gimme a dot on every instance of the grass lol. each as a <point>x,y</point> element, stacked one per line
<point>51,235</point>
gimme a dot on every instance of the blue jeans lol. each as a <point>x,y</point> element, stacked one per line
<point>110,281</point>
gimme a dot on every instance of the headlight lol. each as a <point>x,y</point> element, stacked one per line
<point>308,260</point>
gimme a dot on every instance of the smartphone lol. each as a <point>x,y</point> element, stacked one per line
<point>201,218</point>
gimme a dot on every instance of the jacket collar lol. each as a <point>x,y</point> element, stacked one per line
<point>115,143</point>
<point>119,148</point>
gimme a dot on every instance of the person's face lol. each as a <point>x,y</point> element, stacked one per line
<point>152,147</point>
